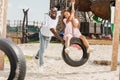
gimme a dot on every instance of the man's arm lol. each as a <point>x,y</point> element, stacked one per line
<point>57,35</point>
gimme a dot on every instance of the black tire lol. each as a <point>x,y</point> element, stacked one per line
<point>81,61</point>
<point>16,59</point>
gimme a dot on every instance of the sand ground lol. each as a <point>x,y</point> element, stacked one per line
<point>57,69</point>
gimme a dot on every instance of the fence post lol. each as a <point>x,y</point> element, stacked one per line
<point>3,21</point>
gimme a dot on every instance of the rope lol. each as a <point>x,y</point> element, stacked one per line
<point>73,2</point>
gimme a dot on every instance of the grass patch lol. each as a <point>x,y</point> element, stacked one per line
<point>33,41</point>
<point>26,58</point>
<point>6,58</point>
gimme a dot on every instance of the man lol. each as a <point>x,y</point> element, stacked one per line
<point>47,30</point>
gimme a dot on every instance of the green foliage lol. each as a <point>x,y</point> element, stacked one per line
<point>33,41</point>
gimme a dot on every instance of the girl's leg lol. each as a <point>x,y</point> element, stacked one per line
<point>67,44</point>
<point>85,42</point>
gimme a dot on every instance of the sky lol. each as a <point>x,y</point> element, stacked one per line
<point>37,9</point>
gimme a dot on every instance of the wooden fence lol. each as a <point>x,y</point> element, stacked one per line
<point>14,29</point>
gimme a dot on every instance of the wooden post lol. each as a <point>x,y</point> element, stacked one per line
<point>1,60</point>
<point>116,36</point>
<point>3,21</point>
<point>25,26</point>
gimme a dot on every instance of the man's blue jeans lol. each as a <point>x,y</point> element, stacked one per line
<point>44,40</point>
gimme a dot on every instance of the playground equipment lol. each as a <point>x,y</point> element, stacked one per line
<point>100,8</point>
<point>76,47</point>
<point>78,55</point>
<point>15,57</point>
<point>86,10</point>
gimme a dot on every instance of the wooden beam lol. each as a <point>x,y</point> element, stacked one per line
<point>3,25</point>
<point>1,60</point>
<point>5,18</point>
<point>116,36</point>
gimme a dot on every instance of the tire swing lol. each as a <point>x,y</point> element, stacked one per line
<point>81,50</point>
<point>16,59</point>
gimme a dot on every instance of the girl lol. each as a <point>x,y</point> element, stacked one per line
<point>72,30</point>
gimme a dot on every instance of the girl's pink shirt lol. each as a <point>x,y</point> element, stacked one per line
<point>71,31</point>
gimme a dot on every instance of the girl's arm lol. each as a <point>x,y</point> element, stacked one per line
<point>75,23</point>
<point>71,16</point>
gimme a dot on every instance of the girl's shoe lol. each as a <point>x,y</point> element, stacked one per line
<point>90,50</point>
<point>67,50</point>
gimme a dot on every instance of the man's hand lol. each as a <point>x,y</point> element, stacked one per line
<point>57,35</point>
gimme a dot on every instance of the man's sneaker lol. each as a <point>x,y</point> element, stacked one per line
<point>41,69</point>
<point>67,50</point>
<point>90,50</point>
<point>36,57</point>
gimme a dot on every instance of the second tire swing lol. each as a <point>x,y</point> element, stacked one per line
<point>16,59</point>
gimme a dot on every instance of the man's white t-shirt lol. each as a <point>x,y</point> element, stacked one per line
<point>49,23</point>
